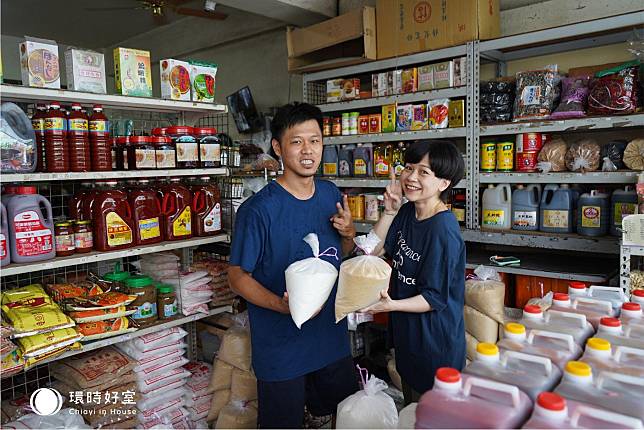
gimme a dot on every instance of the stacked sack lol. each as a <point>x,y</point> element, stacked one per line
<point>484,308</point>
<point>160,377</point>
<point>101,384</point>
<point>222,295</point>
<point>233,384</point>
<point>193,291</point>
<point>197,397</point>
<point>160,266</point>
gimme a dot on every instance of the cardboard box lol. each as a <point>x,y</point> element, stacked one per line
<point>426,78</point>
<point>203,77</point>
<point>419,121</point>
<point>443,75</point>
<point>175,79</point>
<point>341,41</point>
<point>398,81</point>
<point>342,89</point>
<point>39,63</point>
<point>85,70</point>
<point>374,84</point>
<point>388,120</point>
<point>460,72</point>
<point>404,117</point>
<point>456,113</point>
<point>408,26</point>
<point>409,80</point>
<point>132,73</point>
<point>382,85</point>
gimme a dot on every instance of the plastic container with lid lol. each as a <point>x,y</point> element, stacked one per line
<point>637,296</point>
<point>593,309</point>
<point>19,150</point>
<point>159,131</point>
<point>7,193</point>
<point>143,288</point>
<point>117,278</point>
<point>531,373</point>
<point>31,226</point>
<point>525,207</point>
<point>556,212</point>
<point>146,214</point>
<point>615,295</point>
<point>64,232</point>
<point>100,141</point>
<point>617,393</point>
<point>83,236</point>
<point>576,288</point>
<point>560,348</point>
<point>593,217</point>
<point>141,154</point>
<point>166,153</point>
<point>622,203</point>
<point>56,146</point>
<point>209,146</point>
<point>176,209</point>
<point>38,124</point>
<point>330,161</point>
<point>558,322</point>
<point>206,204</point>
<point>80,158</point>
<point>552,411</point>
<point>632,313</point>
<point>187,146</point>
<point>112,217</point>
<point>75,203</point>
<point>612,330</point>
<point>87,204</point>
<point>5,254</point>
<point>601,356</point>
<point>471,402</point>
<point>497,207</point>
<point>167,306</point>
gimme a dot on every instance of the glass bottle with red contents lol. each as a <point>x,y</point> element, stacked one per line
<point>99,140</point>
<point>141,154</point>
<point>121,144</point>
<point>80,159</point>
<point>166,153</point>
<point>159,131</point>
<point>38,124</point>
<point>112,218</point>
<point>76,201</point>
<point>186,145</point>
<point>209,146</point>
<point>56,148</point>
<point>146,213</point>
<point>176,208</point>
<point>206,205</point>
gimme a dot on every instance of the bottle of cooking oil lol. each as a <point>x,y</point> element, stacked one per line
<point>382,158</point>
<point>398,159</point>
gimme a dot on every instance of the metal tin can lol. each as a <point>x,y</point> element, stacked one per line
<point>375,121</point>
<point>488,156</point>
<point>353,122</point>
<point>345,124</point>
<point>505,156</point>
<point>336,129</point>
<point>371,207</point>
<point>326,126</point>
<point>527,161</point>
<point>529,142</point>
<point>356,206</point>
<point>363,124</point>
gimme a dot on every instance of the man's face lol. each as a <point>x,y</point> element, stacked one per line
<point>301,148</point>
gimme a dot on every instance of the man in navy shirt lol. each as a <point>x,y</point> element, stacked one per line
<point>311,366</point>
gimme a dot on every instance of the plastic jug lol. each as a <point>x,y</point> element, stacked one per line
<point>577,289</point>
<point>637,296</point>
<point>632,314</point>
<point>176,209</point>
<point>560,348</point>
<point>31,226</point>
<point>557,321</point>
<point>76,202</point>
<point>615,295</point>
<point>531,373</point>
<point>556,212</point>
<point>345,160</point>
<point>617,334</point>
<point>112,218</point>
<point>146,214</point>
<point>593,309</point>
<point>497,207</point>
<point>618,393</point>
<point>407,417</point>
<point>5,253</point>
<point>601,357</point>
<point>551,411</point>
<point>525,208</point>
<point>206,204</point>
<point>462,401</point>
<point>622,203</point>
<point>362,160</point>
<point>330,161</point>
<point>593,216</point>
<point>7,193</point>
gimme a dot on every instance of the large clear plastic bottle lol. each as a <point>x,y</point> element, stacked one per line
<point>557,321</point>
<point>80,158</point>
<point>593,309</point>
<point>601,357</point>
<point>56,147</point>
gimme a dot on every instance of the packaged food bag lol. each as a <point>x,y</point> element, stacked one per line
<point>407,417</point>
<point>361,278</point>
<point>310,281</point>
<point>237,415</point>
<point>369,408</point>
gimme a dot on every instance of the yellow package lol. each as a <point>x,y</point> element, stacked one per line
<point>34,361</point>
<point>31,311</point>
<point>12,363</point>
<point>33,291</point>
<point>43,343</point>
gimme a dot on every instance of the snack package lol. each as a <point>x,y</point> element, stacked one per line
<point>404,117</point>
<point>496,101</point>
<point>94,315</point>
<point>574,98</point>
<point>35,360</point>
<point>583,156</point>
<point>101,329</point>
<point>388,118</point>
<point>634,155</point>
<point>615,91</point>
<point>12,364</point>
<point>369,408</point>
<point>552,157</point>
<point>438,113</point>
<point>409,79</point>
<point>203,77</point>
<point>536,94</point>
<point>109,300</point>
<point>175,79</point>
<point>310,281</point>
<point>419,121</point>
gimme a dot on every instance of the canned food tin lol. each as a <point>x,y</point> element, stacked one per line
<point>488,156</point>
<point>505,156</point>
<point>527,161</point>
<point>345,124</point>
<point>371,207</point>
<point>529,142</point>
<point>363,124</point>
<point>337,126</point>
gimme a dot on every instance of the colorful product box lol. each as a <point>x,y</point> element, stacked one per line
<point>460,72</point>
<point>419,121</point>
<point>398,81</point>
<point>175,79</point>
<point>443,75</point>
<point>390,83</point>
<point>426,78</point>
<point>203,77</point>
<point>388,119</point>
<point>382,84</point>
<point>85,70</point>
<point>457,113</point>
<point>374,84</point>
<point>409,80</point>
<point>334,90</point>
<point>438,113</point>
<point>132,73</point>
<point>404,117</point>
<point>39,64</point>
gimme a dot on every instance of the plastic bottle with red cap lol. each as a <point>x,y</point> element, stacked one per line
<point>112,218</point>
<point>593,309</point>
<point>56,147</point>
<point>5,253</point>
<point>614,295</point>
<point>632,313</point>
<point>38,124</point>
<point>631,335</point>
<point>100,141</point>
<point>602,356</point>
<point>80,159</point>
<point>471,402</point>
<point>146,214</point>
<point>31,226</point>
<point>637,296</point>
<point>176,207</point>
<point>206,206</point>
<point>557,321</point>
<point>552,411</point>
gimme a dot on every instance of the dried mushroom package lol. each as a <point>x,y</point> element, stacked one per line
<point>537,93</point>
<point>583,156</point>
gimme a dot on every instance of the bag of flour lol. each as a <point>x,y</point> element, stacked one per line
<point>361,278</point>
<point>309,282</point>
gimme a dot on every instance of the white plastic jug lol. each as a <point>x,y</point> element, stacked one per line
<point>618,393</point>
<point>602,357</point>
<point>497,207</point>
<point>637,296</point>
<point>31,226</point>
<point>615,295</point>
<point>560,348</point>
<point>551,411</point>
<point>407,417</point>
<point>632,313</point>
<point>593,309</point>
<point>617,334</point>
<point>461,401</point>
<point>557,321</point>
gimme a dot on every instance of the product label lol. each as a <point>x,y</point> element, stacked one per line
<point>145,158</point>
<point>488,156</point>
<point>77,124</point>
<point>531,95</point>
<point>210,152</point>
<point>118,232</point>
<point>371,209</point>
<point>166,159</point>
<point>459,213</point>
<point>55,124</point>
<point>38,124</point>
<point>398,168</point>
<point>187,151</point>
<point>65,243</point>
<point>125,163</point>
<point>330,169</point>
<point>622,210</point>
<point>555,219</point>
<point>345,168</point>
<point>212,221</point>
<point>83,240</point>
<point>591,216</point>
<point>359,167</point>
<point>149,228</point>
<point>145,310</point>
<point>32,237</point>
<point>3,246</point>
<point>99,126</point>
<point>524,219</point>
<point>182,226</point>
<point>170,310</point>
<point>382,167</point>
<point>113,158</point>
<point>493,218</point>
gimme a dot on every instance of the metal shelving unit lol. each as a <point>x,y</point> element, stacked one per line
<point>370,182</point>
<point>632,246</point>
<point>623,177</point>
<point>120,175</point>
<point>444,133</point>
<point>567,125</point>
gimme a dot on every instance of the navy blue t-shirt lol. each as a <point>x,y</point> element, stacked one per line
<point>428,259</point>
<point>268,237</point>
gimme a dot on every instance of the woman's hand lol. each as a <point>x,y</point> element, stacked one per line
<point>393,195</point>
<point>385,304</point>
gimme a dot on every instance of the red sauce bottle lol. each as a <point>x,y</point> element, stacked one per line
<point>87,206</point>
<point>38,124</point>
<point>99,140</point>
<point>56,148</point>
<point>80,159</point>
<point>76,201</point>
<point>112,218</point>
<point>206,204</point>
<point>177,212</point>
<point>146,213</point>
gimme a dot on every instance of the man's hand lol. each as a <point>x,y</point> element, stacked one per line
<point>385,304</point>
<point>342,221</point>
<point>282,305</point>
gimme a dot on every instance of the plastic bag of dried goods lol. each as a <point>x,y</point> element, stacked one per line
<point>235,348</point>
<point>438,113</point>
<point>486,293</point>
<point>574,98</point>
<point>222,376</point>
<point>64,419</point>
<point>583,156</point>
<point>552,157</point>
<point>83,371</point>
<point>634,155</point>
<point>361,278</point>
<point>237,415</point>
<point>369,408</point>
<point>615,91</point>
<point>243,386</point>
<point>219,400</point>
<point>310,281</point>
<point>537,92</point>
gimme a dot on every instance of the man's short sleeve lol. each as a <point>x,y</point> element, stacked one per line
<point>248,240</point>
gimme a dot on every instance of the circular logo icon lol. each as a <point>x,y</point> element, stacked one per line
<point>46,401</point>
<point>591,213</point>
<point>422,12</point>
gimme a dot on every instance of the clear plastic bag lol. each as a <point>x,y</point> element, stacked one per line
<point>64,419</point>
<point>574,98</point>
<point>583,156</point>
<point>552,157</point>
<point>537,92</point>
<point>369,408</point>
<point>18,149</point>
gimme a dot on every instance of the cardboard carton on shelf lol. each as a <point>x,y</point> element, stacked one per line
<point>85,70</point>
<point>39,63</point>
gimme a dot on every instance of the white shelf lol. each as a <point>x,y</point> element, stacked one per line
<point>23,94</point>
<point>95,256</point>
<point>567,125</point>
<point>444,133</point>
<point>629,177</point>
<point>120,175</point>
<point>371,182</point>
<point>446,93</point>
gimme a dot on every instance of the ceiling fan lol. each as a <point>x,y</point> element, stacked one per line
<point>159,9</point>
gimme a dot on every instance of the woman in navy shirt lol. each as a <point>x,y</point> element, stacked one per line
<point>423,239</point>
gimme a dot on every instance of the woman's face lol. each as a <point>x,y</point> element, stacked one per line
<point>419,182</point>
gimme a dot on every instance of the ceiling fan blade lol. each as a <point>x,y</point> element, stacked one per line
<point>200,13</point>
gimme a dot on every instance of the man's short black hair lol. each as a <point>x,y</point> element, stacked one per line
<point>445,160</point>
<point>292,114</point>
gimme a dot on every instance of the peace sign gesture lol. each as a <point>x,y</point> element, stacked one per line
<point>393,195</point>
<point>342,220</point>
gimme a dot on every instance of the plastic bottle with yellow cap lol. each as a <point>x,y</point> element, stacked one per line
<point>557,321</point>
<point>592,309</point>
<point>618,334</point>
<point>612,391</point>
<point>560,348</point>
<point>602,357</point>
<point>531,373</point>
